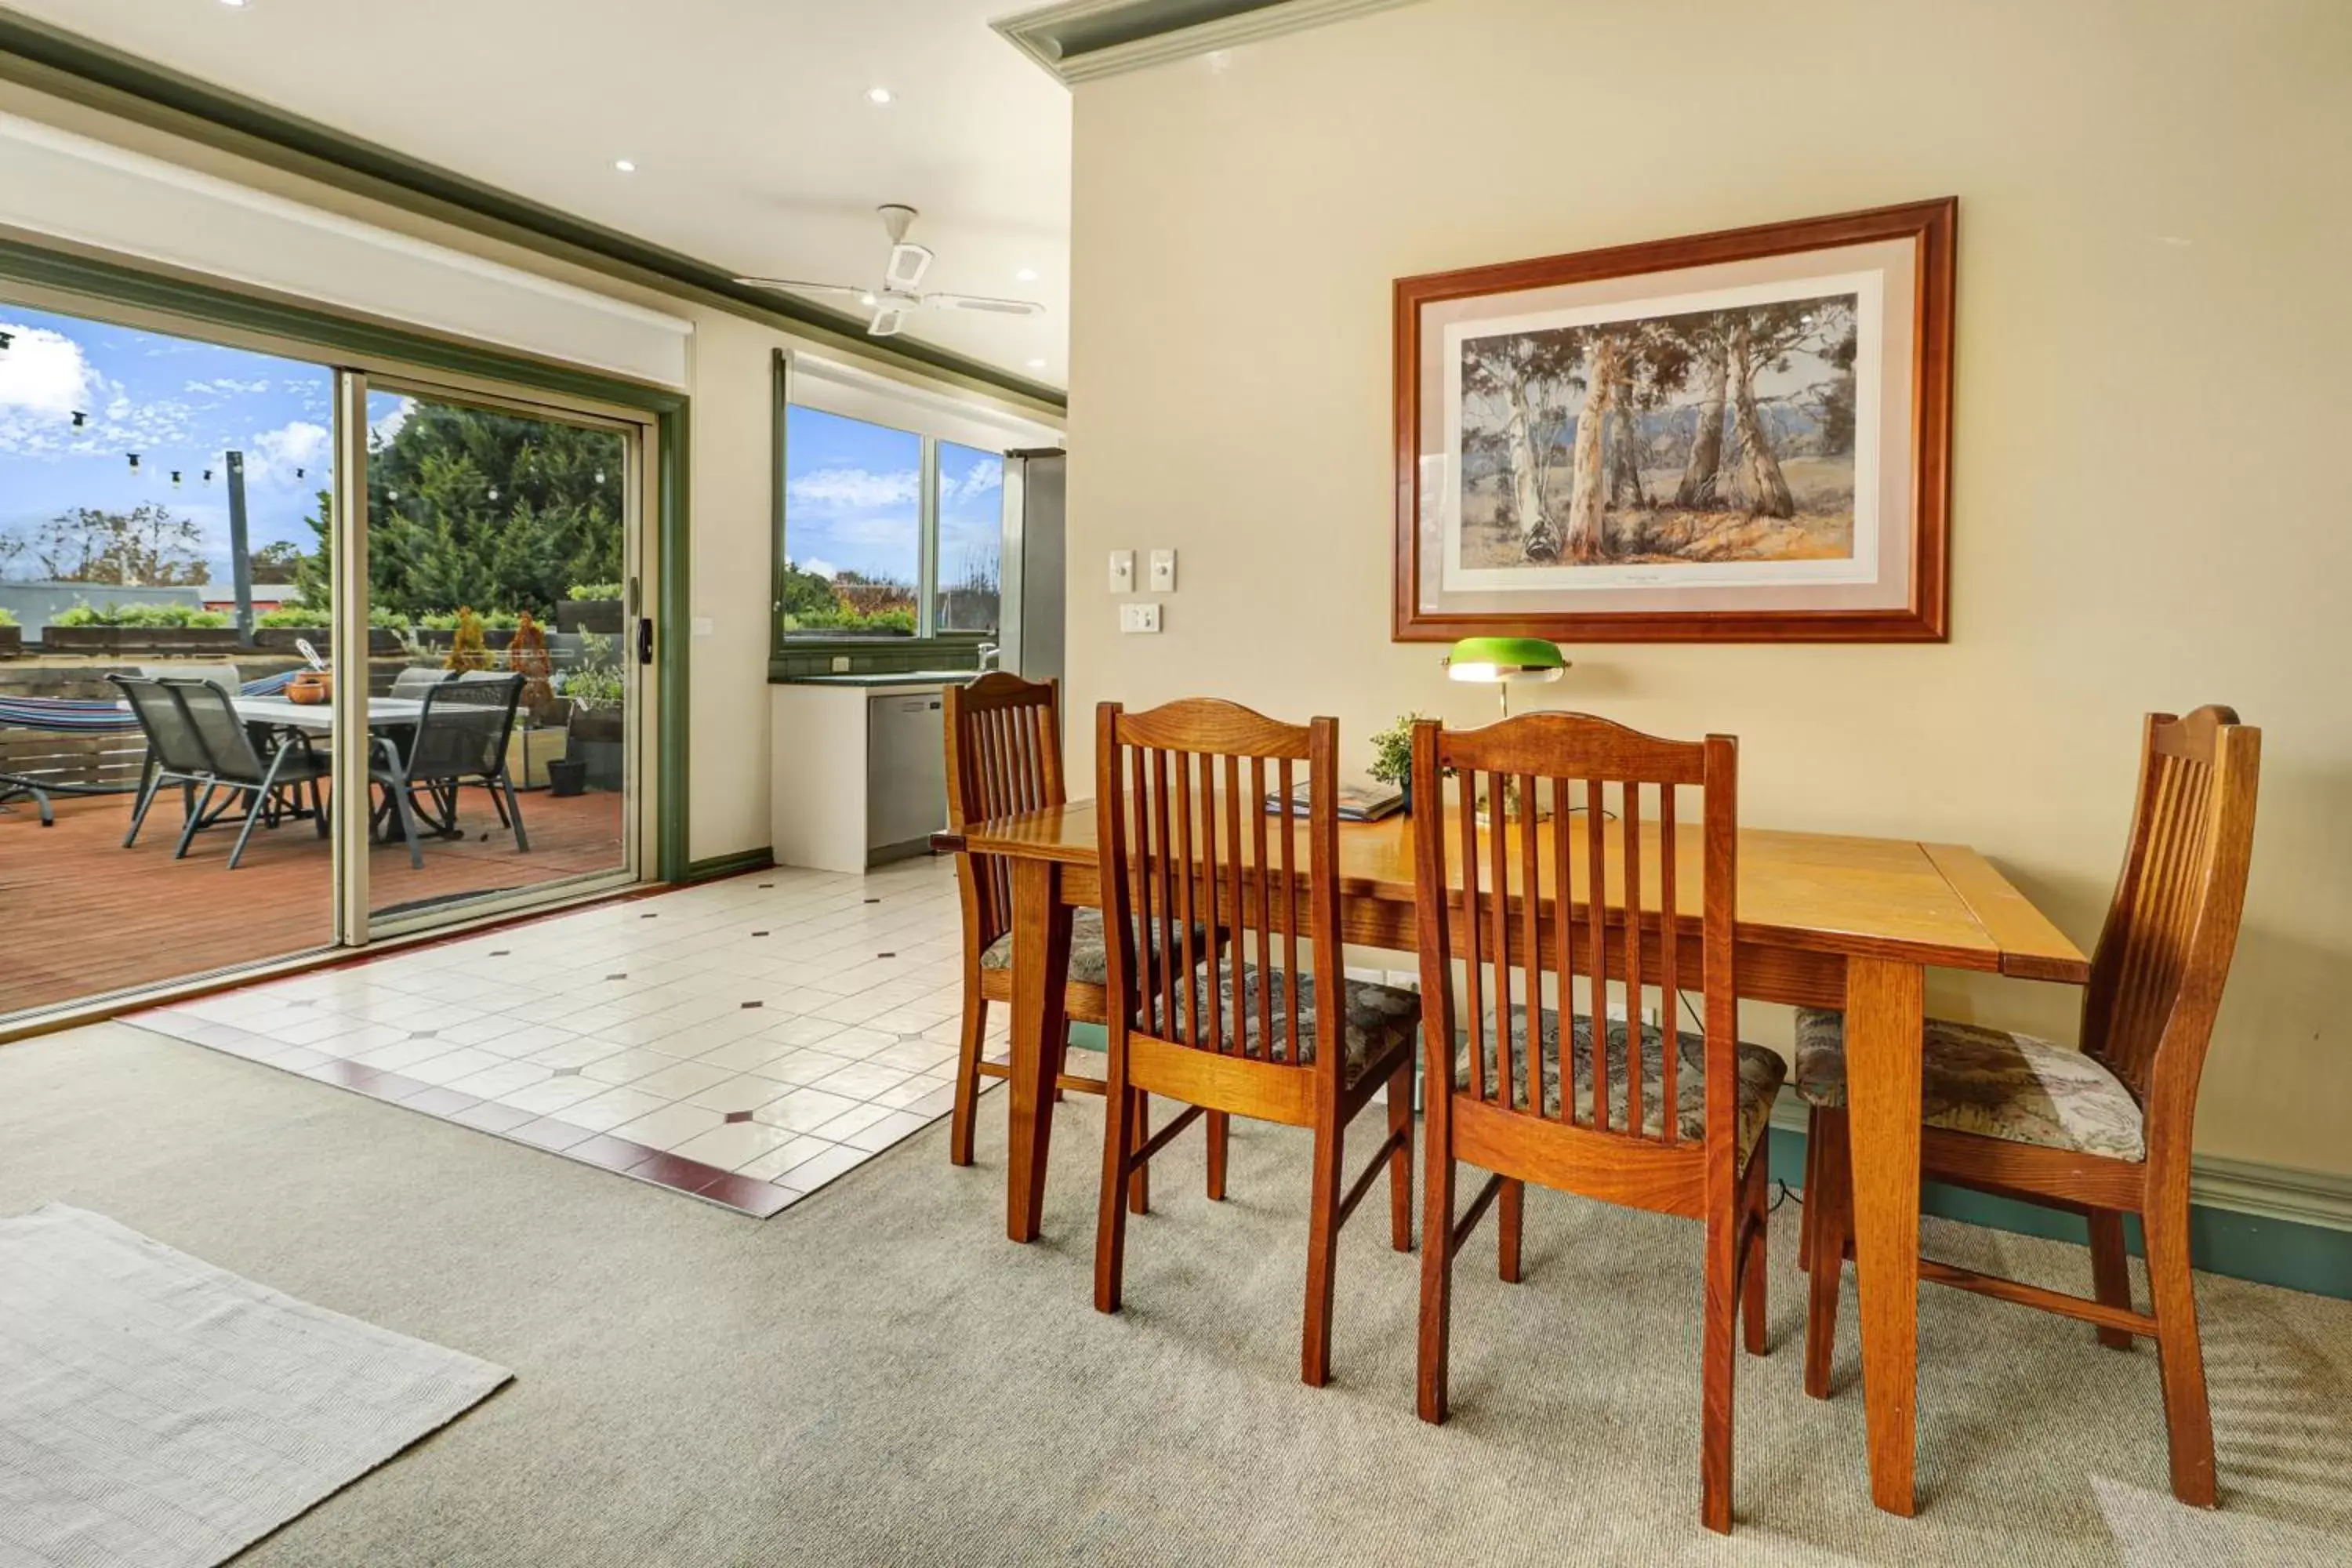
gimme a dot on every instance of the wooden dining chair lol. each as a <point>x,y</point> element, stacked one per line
<point>2104,1131</point>
<point>1003,757</point>
<point>1678,1131</point>
<point>1197,850</point>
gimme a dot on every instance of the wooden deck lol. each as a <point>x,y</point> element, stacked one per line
<point>81,916</point>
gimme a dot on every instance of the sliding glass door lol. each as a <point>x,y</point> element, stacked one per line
<point>501,580</point>
<point>295,657</point>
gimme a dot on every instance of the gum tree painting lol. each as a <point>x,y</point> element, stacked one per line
<point>1717,436</point>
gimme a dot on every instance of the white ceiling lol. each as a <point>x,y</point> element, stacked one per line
<point>756,148</point>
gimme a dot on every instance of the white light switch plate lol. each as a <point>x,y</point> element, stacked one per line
<point>1163,571</point>
<point>1122,570</point>
<point>1135,618</point>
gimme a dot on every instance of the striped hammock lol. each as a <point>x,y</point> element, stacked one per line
<point>97,716</point>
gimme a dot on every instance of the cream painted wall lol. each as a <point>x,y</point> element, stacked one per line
<point>2153,327</point>
<point>729,474</point>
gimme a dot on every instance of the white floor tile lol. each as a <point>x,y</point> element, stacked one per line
<point>610,1109</point>
<point>668,1127</point>
<point>747,1092</point>
<point>733,1145</point>
<point>804,1110</point>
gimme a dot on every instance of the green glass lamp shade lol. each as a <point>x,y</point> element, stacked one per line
<point>1489,660</point>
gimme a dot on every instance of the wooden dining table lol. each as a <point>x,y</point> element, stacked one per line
<point>1824,921</point>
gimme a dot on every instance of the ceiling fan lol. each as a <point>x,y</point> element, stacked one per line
<point>902,274</point>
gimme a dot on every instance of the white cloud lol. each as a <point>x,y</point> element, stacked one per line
<point>835,490</point>
<point>821,567</point>
<point>227,383</point>
<point>978,480</point>
<point>44,373</point>
<point>272,456</point>
<point>380,431</point>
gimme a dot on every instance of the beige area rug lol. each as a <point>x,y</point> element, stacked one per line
<point>157,1411</point>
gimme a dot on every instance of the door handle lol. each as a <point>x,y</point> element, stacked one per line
<point>645,639</point>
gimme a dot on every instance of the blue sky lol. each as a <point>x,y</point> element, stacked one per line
<point>179,405</point>
<point>851,499</point>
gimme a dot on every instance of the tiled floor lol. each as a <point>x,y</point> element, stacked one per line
<point>746,1041</point>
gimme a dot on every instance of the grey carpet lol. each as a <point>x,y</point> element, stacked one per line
<point>878,1377</point>
<point>156,1412</point>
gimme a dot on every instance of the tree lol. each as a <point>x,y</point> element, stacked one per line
<point>1756,480</point>
<point>277,561</point>
<point>142,548</point>
<point>1700,486</point>
<point>1588,492</point>
<point>470,506</point>
<point>1532,375</point>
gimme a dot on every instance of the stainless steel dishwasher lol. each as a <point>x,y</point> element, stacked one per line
<point>906,774</point>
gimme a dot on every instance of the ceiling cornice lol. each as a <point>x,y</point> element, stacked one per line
<point>67,65</point>
<point>1079,40</point>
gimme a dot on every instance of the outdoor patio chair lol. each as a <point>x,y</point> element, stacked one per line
<point>460,739</point>
<point>198,738</point>
<point>414,683</point>
<point>175,753</point>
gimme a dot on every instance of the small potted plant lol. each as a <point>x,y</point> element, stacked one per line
<point>1393,756</point>
<point>12,635</point>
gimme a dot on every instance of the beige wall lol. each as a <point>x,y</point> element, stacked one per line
<point>2148,511</point>
<point>730,475</point>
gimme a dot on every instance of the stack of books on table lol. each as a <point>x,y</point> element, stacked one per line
<point>1358,803</point>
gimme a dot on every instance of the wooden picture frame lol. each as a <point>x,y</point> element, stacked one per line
<point>1821,346</point>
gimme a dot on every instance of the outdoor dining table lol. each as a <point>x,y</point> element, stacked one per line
<point>319,718</point>
<point>1824,921</point>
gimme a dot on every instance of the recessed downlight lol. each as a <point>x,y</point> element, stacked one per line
<point>878,95</point>
<point>1026,275</point>
<point>624,166</point>
<point>234,4</point>
<point>1037,364</point>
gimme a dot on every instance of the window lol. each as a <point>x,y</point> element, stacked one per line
<point>886,534</point>
<point>971,539</point>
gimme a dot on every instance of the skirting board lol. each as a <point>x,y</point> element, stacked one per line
<point>733,865</point>
<point>2264,1223</point>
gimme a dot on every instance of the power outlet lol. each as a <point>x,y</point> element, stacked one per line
<point>1135,618</point>
<point>1122,570</point>
<point>1163,571</point>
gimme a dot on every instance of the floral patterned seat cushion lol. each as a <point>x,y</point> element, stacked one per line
<point>1089,963</point>
<point>1992,1082</point>
<point>1761,1073</point>
<point>1376,1018</point>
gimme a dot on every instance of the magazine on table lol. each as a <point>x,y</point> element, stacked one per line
<point>1357,802</point>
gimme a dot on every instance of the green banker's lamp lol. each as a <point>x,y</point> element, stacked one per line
<point>1499,661</point>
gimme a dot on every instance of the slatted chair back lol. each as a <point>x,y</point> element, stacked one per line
<point>2162,957</point>
<point>1615,860</point>
<point>211,713</point>
<point>1197,803</point>
<point>461,730</point>
<point>1005,756</point>
<point>170,738</point>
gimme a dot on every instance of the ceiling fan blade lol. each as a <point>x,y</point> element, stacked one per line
<point>905,267</point>
<point>797,287</point>
<point>982,302</point>
<point>887,322</point>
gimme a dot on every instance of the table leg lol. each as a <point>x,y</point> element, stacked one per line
<point>1041,968</point>
<point>1884,1012</point>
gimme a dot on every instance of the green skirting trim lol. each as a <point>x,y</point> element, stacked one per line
<point>729,865</point>
<point>2300,1255</point>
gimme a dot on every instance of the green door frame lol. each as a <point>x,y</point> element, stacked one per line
<point>105,283</point>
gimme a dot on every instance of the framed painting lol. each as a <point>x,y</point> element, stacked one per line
<point>1741,437</point>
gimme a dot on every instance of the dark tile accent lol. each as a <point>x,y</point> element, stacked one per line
<point>748,1005</point>
<point>423,1034</point>
<point>767,884</point>
<point>757,1198</point>
<point>440,1101</point>
<point>501,951</point>
<point>872,901</point>
<point>565,1072</point>
<point>669,1171</point>
<point>885,955</point>
<point>549,1133</point>
<point>491,1117</point>
<point>649,917</point>
<point>758,934</point>
<point>609,1152</point>
<point>623,975</point>
<point>738,1116</point>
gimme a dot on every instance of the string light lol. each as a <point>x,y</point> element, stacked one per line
<point>6,339</point>
<point>298,473</point>
<point>81,418</point>
<point>494,492</point>
<point>175,478</point>
<point>134,461</point>
<point>600,475</point>
<point>208,475</point>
